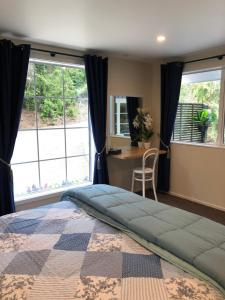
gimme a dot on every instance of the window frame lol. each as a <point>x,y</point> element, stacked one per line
<point>220,141</point>
<point>48,193</point>
<point>112,118</point>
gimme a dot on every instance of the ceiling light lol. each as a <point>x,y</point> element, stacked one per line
<point>161,38</point>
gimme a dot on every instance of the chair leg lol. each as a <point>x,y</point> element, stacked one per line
<point>154,189</point>
<point>132,185</point>
<point>143,185</point>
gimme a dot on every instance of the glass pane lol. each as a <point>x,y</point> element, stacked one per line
<point>51,143</point>
<point>25,147</point>
<point>123,118</point>
<point>25,177</point>
<point>28,116</point>
<point>198,110</point>
<point>48,80</point>
<point>78,169</point>
<point>76,113</point>
<point>123,107</point>
<point>75,85</point>
<point>29,89</point>
<point>116,130</point>
<point>53,174</point>
<point>50,113</point>
<point>77,141</point>
<point>124,129</point>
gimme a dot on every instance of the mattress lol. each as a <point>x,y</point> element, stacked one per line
<point>195,243</point>
<point>60,252</point>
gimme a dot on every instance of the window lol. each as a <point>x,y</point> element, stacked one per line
<point>119,122</point>
<point>200,114</point>
<point>52,146</point>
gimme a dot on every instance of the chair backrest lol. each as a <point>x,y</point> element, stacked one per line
<point>152,153</point>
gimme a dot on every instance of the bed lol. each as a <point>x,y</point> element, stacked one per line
<point>59,251</point>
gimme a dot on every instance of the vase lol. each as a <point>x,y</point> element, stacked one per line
<point>140,144</point>
<point>147,145</point>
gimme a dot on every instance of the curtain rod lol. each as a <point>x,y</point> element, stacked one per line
<point>53,53</point>
<point>219,57</point>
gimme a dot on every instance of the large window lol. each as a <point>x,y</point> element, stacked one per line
<point>200,114</point>
<point>52,146</point>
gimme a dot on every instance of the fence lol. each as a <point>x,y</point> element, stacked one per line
<point>185,128</point>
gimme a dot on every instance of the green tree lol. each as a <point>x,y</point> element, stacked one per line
<point>207,93</point>
<point>48,84</point>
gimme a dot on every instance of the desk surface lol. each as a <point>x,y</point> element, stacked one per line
<point>132,153</point>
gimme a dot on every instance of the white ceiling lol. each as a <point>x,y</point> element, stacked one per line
<point>122,27</point>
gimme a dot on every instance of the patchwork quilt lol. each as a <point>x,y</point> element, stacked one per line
<point>60,252</point>
<point>194,243</point>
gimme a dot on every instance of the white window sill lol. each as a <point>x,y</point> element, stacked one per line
<point>46,195</point>
<point>216,146</point>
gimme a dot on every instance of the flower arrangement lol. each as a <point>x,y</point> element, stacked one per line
<point>143,122</point>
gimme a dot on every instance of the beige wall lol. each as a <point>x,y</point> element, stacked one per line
<point>198,172</point>
<point>126,78</point>
<point>155,100</point>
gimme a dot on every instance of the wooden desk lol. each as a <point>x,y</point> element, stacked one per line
<point>132,153</point>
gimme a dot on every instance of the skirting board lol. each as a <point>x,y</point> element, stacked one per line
<point>32,203</point>
<point>196,200</point>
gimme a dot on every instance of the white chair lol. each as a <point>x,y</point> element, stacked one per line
<point>146,173</point>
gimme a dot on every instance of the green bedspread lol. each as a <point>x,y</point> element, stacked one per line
<point>190,241</point>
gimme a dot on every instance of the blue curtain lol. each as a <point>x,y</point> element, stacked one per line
<point>171,76</point>
<point>13,72</point>
<point>97,75</point>
<point>132,106</point>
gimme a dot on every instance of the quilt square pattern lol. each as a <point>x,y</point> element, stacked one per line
<point>16,287</point>
<point>24,226</point>
<point>103,264</point>
<point>105,242</point>
<point>5,259</point>
<point>37,242</point>
<point>28,262</point>
<point>138,265</point>
<point>59,252</point>
<point>10,242</point>
<point>73,242</point>
<point>63,264</point>
<point>4,223</point>
<point>79,226</point>
<point>104,228</point>
<point>51,226</point>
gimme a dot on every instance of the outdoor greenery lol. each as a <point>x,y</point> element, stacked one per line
<point>207,93</point>
<point>205,117</point>
<point>53,88</point>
